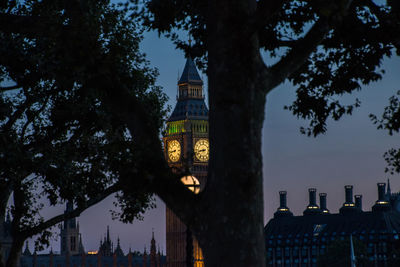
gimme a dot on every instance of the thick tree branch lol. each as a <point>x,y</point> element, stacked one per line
<point>69,215</point>
<point>33,116</point>
<point>165,184</point>
<point>295,58</point>
<point>177,196</point>
<point>305,46</point>
<point>9,88</point>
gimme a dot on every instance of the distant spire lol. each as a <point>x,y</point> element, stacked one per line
<point>388,191</point>
<point>27,252</point>
<point>118,251</point>
<point>81,248</point>
<point>108,233</point>
<point>8,218</point>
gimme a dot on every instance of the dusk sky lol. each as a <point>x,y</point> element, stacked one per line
<point>349,153</point>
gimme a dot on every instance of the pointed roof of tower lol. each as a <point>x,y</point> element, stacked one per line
<point>153,244</point>
<point>108,233</point>
<point>8,218</point>
<point>81,248</point>
<point>190,73</point>
<point>27,252</point>
<point>119,250</point>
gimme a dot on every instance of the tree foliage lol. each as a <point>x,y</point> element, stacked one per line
<point>356,36</point>
<point>390,121</point>
<point>58,139</point>
<point>87,93</point>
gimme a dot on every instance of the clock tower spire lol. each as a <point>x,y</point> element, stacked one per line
<point>186,145</point>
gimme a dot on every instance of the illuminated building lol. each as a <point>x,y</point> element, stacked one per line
<point>300,240</point>
<point>72,253</point>
<point>186,146</point>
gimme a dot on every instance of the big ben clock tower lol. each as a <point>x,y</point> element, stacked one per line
<point>186,145</point>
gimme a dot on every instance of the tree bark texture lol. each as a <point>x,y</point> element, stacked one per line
<point>15,252</point>
<point>232,234</point>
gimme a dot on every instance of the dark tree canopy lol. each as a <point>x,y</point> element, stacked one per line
<point>86,104</point>
<point>337,46</point>
<point>58,139</point>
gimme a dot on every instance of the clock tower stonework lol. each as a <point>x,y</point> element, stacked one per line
<point>186,145</point>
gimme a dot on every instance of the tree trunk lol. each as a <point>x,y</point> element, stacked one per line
<point>231,229</point>
<point>5,195</point>
<point>15,252</point>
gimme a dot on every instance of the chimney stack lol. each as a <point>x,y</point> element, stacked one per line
<point>358,201</point>
<point>381,191</point>
<point>348,205</point>
<point>322,203</point>
<point>349,193</point>
<point>283,210</point>
<point>312,207</point>
<point>381,204</point>
<point>312,193</point>
<point>282,199</point>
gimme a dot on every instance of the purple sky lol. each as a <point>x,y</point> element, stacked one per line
<point>349,153</point>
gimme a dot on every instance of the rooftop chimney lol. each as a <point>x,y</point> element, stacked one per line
<point>348,205</point>
<point>312,192</point>
<point>282,199</point>
<point>322,203</point>
<point>283,210</point>
<point>312,207</point>
<point>349,193</point>
<point>381,191</point>
<point>381,204</point>
<point>358,201</point>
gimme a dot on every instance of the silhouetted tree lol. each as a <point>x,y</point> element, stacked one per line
<point>58,141</point>
<point>325,48</point>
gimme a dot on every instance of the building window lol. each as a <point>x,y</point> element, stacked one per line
<point>287,252</point>
<point>296,252</point>
<point>278,252</point>
<point>318,228</point>
<point>314,250</point>
<point>304,252</point>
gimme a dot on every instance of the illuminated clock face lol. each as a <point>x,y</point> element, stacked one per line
<point>174,150</point>
<point>202,150</point>
<point>192,183</point>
